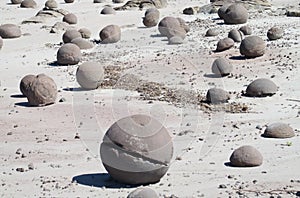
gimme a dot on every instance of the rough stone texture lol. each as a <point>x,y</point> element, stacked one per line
<point>70,18</point>
<point>224,44</point>
<point>217,96</point>
<point>235,35</point>
<point>143,4</point>
<point>137,150</point>
<point>175,40</point>
<point>274,33</point>
<point>221,67</point>
<point>143,192</point>
<point>69,35</point>
<point>28,4</point>
<point>261,87</point>
<point>246,156</point>
<point>8,31</point>
<point>252,46</point>
<point>151,18</point>
<point>246,30</point>
<point>69,1</point>
<point>85,33</point>
<point>170,26</point>
<point>110,34</point>
<point>82,43</point>
<point>89,75</point>
<point>108,10</point>
<point>279,130</point>
<point>42,91</point>
<point>235,14</point>
<point>51,4</point>
<point>1,42</point>
<point>26,83</point>
<point>222,10</point>
<point>212,32</point>
<point>16,1</point>
<point>68,54</point>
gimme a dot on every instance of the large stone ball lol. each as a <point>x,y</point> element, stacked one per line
<point>28,4</point>
<point>25,83</point>
<point>246,156</point>
<point>279,130</point>
<point>252,46</point>
<point>221,67</point>
<point>89,75</point>
<point>110,34</point>
<point>261,87</point>
<point>151,18</point>
<point>235,14</point>
<point>68,54</point>
<point>274,33</point>
<point>137,150</point>
<point>8,31</point>
<point>69,35</point>
<point>143,192</point>
<point>108,10</point>
<point>70,18</point>
<point>217,96</point>
<point>224,44</point>
<point>170,26</point>
<point>42,91</point>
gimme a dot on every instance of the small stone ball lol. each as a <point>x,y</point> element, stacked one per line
<point>85,33</point>
<point>261,87</point>
<point>89,75</point>
<point>222,10</point>
<point>235,35</point>
<point>69,35</point>
<point>246,30</point>
<point>137,150</point>
<point>175,40</point>
<point>212,32</point>
<point>108,10</point>
<point>275,33</point>
<point>1,42</point>
<point>279,130</point>
<point>246,156</point>
<point>68,54</point>
<point>217,96</point>
<point>224,44</point>
<point>26,83</point>
<point>221,67</point>
<point>118,1</point>
<point>51,4</point>
<point>69,1</point>
<point>82,43</point>
<point>60,26</point>
<point>70,18</point>
<point>42,91</point>
<point>99,1</point>
<point>252,46</point>
<point>235,14</point>
<point>189,11</point>
<point>110,34</point>
<point>151,19</point>
<point>152,10</point>
<point>28,4</point>
<point>183,24</point>
<point>170,26</point>
<point>8,31</point>
<point>16,1</point>
<point>143,192</point>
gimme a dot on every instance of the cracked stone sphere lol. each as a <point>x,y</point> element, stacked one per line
<point>69,35</point>
<point>171,26</point>
<point>279,130</point>
<point>25,83</point>
<point>70,18</point>
<point>89,75</point>
<point>275,33</point>
<point>224,44</point>
<point>8,31</point>
<point>217,96</point>
<point>137,150</point>
<point>110,34</point>
<point>221,67</point>
<point>28,4</point>
<point>68,54</point>
<point>252,47</point>
<point>246,156</point>
<point>42,91</point>
<point>235,14</point>
<point>143,192</point>
<point>108,10</point>
<point>261,87</point>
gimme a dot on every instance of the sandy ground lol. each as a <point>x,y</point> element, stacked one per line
<point>57,144</point>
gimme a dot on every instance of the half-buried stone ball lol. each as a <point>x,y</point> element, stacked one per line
<point>25,83</point>
<point>151,18</point>
<point>246,156</point>
<point>16,1</point>
<point>89,75</point>
<point>246,30</point>
<point>28,4</point>
<point>110,34</point>
<point>108,10</point>
<point>235,35</point>
<point>222,10</point>
<point>175,40</point>
<point>69,1</point>
<point>143,192</point>
<point>235,14</point>
<point>137,150</point>
<point>221,67</point>
<point>279,130</point>
<point>68,54</point>
<point>51,4</point>
<point>212,32</point>
<point>82,43</point>
<point>42,91</point>
<point>252,47</point>
<point>70,34</point>
<point>274,33</point>
<point>217,96</point>
<point>70,18</point>
<point>170,26</point>
<point>224,44</point>
<point>85,33</point>
<point>8,31</point>
<point>261,87</point>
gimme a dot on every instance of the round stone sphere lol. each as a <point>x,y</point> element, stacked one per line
<point>89,75</point>
<point>212,32</point>
<point>70,18</point>
<point>235,14</point>
<point>275,33</point>
<point>1,42</point>
<point>51,4</point>
<point>261,87</point>
<point>143,192</point>
<point>110,34</point>
<point>137,150</point>
<point>28,4</point>
<point>69,35</point>
<point>170,26</point>
<point>108,10</point>
<point>26,83</point>
<point>8,31</point>
<point>16,1</point>
<point>252,47</point>
<point>224,44</point>
<point>85,33</point>
<point>151,18</point>
<point>68,54</point>
<point>246,156</point>
<point>235,35</point>
<point>221,67</point>
<point>279,130</point>
<point>82,43</point>
<point>246,30</point>
<point>217,96</point>
<point>69,1</point>
<point>42,91</point>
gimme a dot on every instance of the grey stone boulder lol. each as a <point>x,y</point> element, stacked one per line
<point>235,14</point>
<point>89,75</point>
<point>26,83</point>
<point>8,31</point>
<point>171,26</point>
<point>143,192</point>
<point>235,35</point>
<point>246,30</point>
<point>279,130</point>
<point>70,18</point>
<point>68,54</point>
<point>16,1</point>
<point>70,34</point>
<point>246,156</point>
<point>221,67</point>
<point>175,40</point>
<point>151,18</point>
<point>224,44</point>
<point>217,96</point>
<point>261,87</point>
<point>212,32</point>
<point>82,43</point>
<point>274,33</point>
<point>108,10</point>
<point>222,10</point>
<point>51,4</point>
<point>28,4</point>
<point>110,34</point>
<point>252,47</point>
